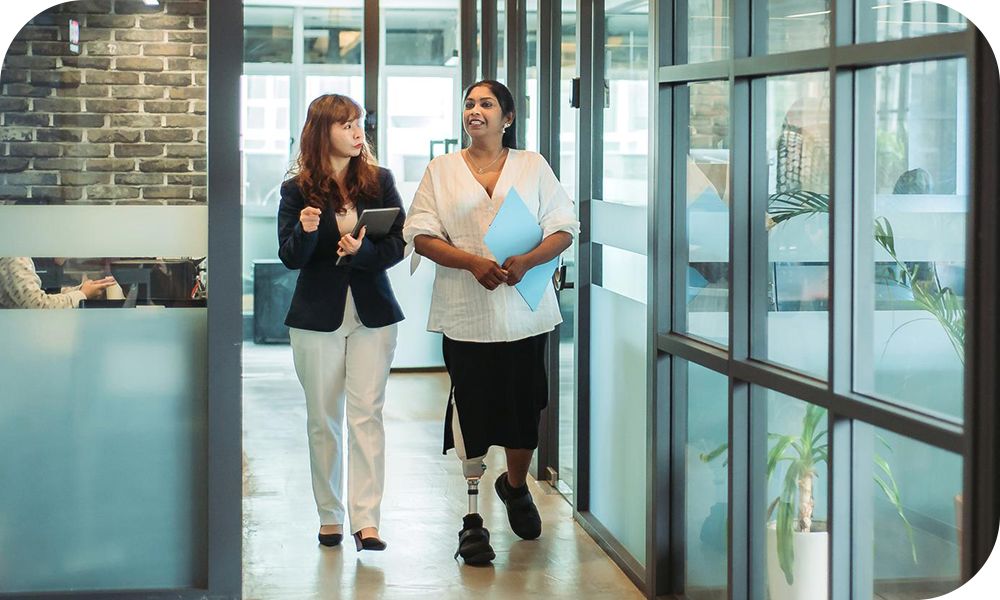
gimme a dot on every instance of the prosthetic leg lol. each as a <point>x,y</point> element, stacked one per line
<point>473,469</point>
<point>474,539</point>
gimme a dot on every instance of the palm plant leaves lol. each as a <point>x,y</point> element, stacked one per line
<point>788,205</point>
<point>942,302</point>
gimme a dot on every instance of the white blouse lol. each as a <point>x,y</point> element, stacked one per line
<point>452,205</point>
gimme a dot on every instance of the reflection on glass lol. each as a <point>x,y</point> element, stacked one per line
<point>420,36</point>
<point>913,197</point>
<point>908,507</point>
<point>414,120</point>
<point>567,114</point>
<point>265,161</point>
<point>795,535</point>
<point>317,85</point>
<point>501,41</point>
<point>567,297</point>
<point>798,186</point>
<point>708,30</point>
<point>267,34</point>
<point>418,120</point>
<point>626,117</point>
<point>707,295</point>
<point>706,484</point>
<point>880,20</point>
<point>797,25</point>
<point>106,282</point>
<point>530,120</point>
<point>333,35</point>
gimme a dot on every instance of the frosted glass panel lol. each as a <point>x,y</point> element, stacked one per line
<point>618,418</point>
<point>104,231</point>
<point>624,273</point>
<point>919,556</point>
<point>706,484</point>
<point>103,422</point>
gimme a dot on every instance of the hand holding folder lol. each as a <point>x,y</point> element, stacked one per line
<point>514,231</point>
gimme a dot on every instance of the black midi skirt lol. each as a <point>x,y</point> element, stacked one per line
<point>498,391</point>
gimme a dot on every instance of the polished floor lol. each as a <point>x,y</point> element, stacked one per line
<point>421,513</point>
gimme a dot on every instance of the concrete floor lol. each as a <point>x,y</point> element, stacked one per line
<point>421,513</point>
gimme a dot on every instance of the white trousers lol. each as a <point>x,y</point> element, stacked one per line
<point>350,363</point>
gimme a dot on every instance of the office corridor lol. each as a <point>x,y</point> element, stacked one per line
<point>421,513</point>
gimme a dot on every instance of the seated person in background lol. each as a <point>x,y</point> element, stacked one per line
<point>20,287</point>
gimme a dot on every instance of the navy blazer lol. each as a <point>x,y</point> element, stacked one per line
<point>321,290</point>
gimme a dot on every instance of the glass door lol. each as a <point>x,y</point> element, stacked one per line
<point>291,54</point>
<point>419,96</point>
<point>618,273</point>
<point>568,277</point>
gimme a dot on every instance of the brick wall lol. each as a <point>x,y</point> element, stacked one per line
<point>122,122</point>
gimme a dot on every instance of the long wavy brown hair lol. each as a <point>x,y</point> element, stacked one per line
<point>312,170</point>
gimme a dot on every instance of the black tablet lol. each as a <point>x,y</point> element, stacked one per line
<point>378,221</point>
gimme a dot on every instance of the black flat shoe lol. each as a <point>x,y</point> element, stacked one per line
<point>474,542</point>
<point>521,511</point>
<point>331,539</point>
<point>369,543</point>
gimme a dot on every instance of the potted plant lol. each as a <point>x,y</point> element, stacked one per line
<point>797,543</point>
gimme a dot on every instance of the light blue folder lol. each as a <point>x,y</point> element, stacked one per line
<point>515,230</point>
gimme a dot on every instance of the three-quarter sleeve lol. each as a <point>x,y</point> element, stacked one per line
<point>423,218</point>
<point>295,246</point>
<point>22,288</point>
<point>556,211</point>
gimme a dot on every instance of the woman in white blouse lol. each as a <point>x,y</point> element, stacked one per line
<point>494,343</point>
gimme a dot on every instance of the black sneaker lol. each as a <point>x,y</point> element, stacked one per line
<point>474,541</point>
<point>521,511</point>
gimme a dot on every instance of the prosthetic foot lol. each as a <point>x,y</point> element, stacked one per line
<point>474,539</point>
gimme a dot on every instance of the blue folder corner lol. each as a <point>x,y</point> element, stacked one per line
<point>515,230</point>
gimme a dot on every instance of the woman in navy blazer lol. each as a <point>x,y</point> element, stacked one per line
<point>342,321</point>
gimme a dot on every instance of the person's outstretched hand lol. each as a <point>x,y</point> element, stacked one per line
<point>93,288</point>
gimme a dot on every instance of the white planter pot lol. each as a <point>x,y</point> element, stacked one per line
<point>809,568</point>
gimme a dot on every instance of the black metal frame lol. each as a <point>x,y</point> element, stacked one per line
<point>372,16</point>
<point>975,440</point>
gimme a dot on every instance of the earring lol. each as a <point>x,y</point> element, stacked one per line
<point>506,126</point>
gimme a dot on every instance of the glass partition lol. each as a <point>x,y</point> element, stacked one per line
<point>267,34</point>
<point>707,207</point>
<point>103,423</point>
<point>881,20</point>
<point>797,221</point>
<point>626,106</point>
<point>908,531</point>
<point>332,36</point>
<point>797,25</point>
<point>706,484</point>
<point>708,30</point>
<point>913,192</point>
<point>104,282</point>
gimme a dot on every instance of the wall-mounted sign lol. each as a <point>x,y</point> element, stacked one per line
<point>74,36</point>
